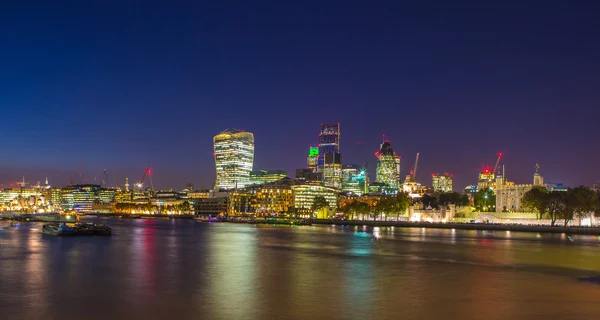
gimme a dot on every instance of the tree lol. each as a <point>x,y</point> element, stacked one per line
<point>579,201</point>
<point>555,205</point>
<point>485,200</point>
<point>362,209</point>
<point>384,205</point>
<point>463,201</point>
<point>319,203</point>
<point>400,204</point>
<point>536,199</point>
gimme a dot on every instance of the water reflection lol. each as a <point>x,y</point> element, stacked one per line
<point>155,269</point>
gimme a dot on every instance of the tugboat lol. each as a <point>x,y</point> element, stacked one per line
<point>78,229</point>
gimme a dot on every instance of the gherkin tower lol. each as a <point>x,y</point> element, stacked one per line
<point>388,166</point>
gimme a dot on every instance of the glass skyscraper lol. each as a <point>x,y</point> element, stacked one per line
<point>234,156</point>
<point>388,166</point>
<point>330,159</point>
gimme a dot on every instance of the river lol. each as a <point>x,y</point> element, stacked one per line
<point>183,269</point>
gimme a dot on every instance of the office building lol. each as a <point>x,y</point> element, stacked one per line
<point>234,157</point>
<point>388,166</point>
<point>305,194</point>
<point>354,180</point>
<point>441,182</point>
<point>266,176</point>
<point>330,158</point>
<point>313,158</point>
<point>307,175</point>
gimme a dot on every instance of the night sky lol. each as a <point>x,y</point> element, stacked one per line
<point>127,85</point>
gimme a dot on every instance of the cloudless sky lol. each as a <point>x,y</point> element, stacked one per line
<point>125,84</point>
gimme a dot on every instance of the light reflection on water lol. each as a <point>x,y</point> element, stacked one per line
<point>156,269</point>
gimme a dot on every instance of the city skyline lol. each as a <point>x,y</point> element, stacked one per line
<point>118,180</point>
<point>455,83</point>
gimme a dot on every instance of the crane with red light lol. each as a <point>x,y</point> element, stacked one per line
<point>413,171</point>
<point>147,173</point>
<point>496,166</point>
<point>78,173</point>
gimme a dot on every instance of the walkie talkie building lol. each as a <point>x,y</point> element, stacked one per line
<point>234,156</point>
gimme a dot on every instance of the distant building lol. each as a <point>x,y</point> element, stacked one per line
<point>470,191</point>
<point>557,187</point>
<point>538,180</point>
<point>509,195</point>
<point>596,187</point>
<point>305,194</point>
<point>234,157</point>
<point>307,175</point>
<point>354,179</point>
<point>216,204</point>
<point>388,166</point>
<point>269,199</point>
<point>486,179</point>
<point>313,158</point>
<point>441,182</point>
<point>266,176</point>
<point>330,158</point>
<point>198,194</point>
<point>167,198</point>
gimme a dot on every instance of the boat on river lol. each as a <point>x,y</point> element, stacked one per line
<point>76,229</point>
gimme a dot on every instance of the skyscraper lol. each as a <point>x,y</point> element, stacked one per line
<point>313,158</point>
<point>354,179</point>
<point>442,182</point>
<point>234,156</point>
<point>330,159</point>
<point>388,166</point>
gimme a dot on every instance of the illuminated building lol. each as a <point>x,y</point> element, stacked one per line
<point>486,179</point>
<point>124,196</point>
<point>388,166</point>
<point>562,187</point>
<point>313,158</point>
<point>275,198</point>
<point>470,191</point>
<point>234,156</point>
<point>354,179</point>
<point>442,182</point>
<point>167,198</point>
<point>330,159</point>
<point>198,194</point>
<point>305,194</point>
<point>596,187</point>
<point>239,202</point>
<point>107,195</point>
<point>266,176</point>
<point>84,197</point>
<point>538,180</point>
<point>509,195</point>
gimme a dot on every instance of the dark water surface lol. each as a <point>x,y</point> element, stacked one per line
<point>160,269</point>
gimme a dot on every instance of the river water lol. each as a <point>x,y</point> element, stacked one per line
<point>182,269</point>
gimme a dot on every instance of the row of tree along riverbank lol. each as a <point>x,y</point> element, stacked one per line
<point>463,226</point>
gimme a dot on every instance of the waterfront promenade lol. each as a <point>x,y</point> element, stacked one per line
<point>464,226</point>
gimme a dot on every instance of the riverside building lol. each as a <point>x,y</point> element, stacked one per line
<point>234,157</point>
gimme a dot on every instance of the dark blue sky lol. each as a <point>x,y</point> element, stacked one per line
<point>127,85</point>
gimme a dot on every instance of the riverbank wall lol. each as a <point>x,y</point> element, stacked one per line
<point>463,226</point>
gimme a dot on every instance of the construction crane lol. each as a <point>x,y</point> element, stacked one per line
<point>147,173</point>
<point>77,173</point>
<point>104,180</point>
<point>413,172</point>
<point>496,166</point>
